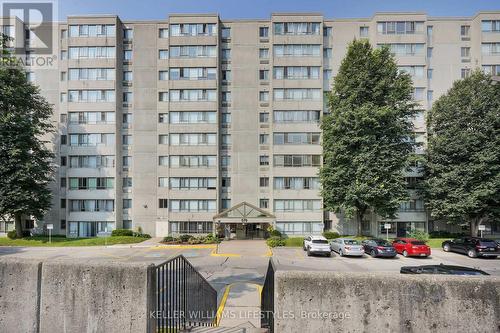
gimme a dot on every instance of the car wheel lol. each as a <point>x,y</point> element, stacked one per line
<point>372,253</point>
<point>328,254</point>
<point>308,253</point>
<point>340,253</point>
<point>405,253</point>
<point>446,248</point>
<point>304,247</point>
<point>472,254</point>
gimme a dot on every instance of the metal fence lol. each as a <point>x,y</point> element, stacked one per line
<point>267,299</point>
<point>183,297</point>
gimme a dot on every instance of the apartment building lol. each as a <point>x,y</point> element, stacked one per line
<point>197,124</point>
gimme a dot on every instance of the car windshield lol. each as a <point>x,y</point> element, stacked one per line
<point>382,243</point>
<point>418,243</point>
<point>320,241</point>
<point>351,242</point>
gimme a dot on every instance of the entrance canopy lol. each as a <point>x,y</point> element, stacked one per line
<point>244,213</point>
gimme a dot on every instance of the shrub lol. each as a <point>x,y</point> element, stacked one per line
<point>12,234</point>
<point>331,234</point>
<point>185,238</point>
<point>210,239</point>
<point>275,233</point>
<point>168,239</point>
<point>194,240</point>
<point>445,234</point>
<point>122,232</point>
<point>275,241</point>
<point>418,234</point>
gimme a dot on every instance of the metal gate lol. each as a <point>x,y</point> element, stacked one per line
<point>267,299</point>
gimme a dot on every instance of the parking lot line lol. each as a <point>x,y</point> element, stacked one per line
<point>215,254</point>
<point>183,247</point>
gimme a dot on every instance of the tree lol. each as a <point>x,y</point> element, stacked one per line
<point>25,160</point>
<point>463,155</point>
<point>367,137</point>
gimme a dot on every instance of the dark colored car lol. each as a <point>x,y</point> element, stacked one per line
<point>473,247</point>
<point>442,270</point>
<point>379,248</point>
<point>411,247</point>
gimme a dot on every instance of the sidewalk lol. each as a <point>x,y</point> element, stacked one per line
<point>240,305</point>
<point>244,248</point>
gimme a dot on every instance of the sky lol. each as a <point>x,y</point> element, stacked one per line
<point>241,9</point>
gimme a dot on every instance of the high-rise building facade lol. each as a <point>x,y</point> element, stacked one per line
<point>196,124</point>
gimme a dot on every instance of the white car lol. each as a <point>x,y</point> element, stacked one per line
<point>347,247</point>
<point>317,245</point>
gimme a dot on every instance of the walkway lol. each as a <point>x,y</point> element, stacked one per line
<point>244,248</point>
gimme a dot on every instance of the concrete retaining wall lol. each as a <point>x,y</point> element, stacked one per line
<point>62,296</point>
<point>364,302</point>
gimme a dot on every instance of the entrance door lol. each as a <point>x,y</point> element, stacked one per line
<point>402,227</point>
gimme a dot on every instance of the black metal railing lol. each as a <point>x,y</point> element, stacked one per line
<point>267,299</point>
<point>183,297</point>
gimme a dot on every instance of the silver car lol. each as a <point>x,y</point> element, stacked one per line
<point>347,247</point>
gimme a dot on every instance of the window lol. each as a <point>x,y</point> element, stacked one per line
<point>127,203</point>
<point>225,161</point>
<point>418,93</point>
<point>465,30</point>
<point>92,52</point>
<point>127,76</point>
<point>226,54</point>
<point>163,75</point>
<point>491,69</point>
<point>264,117</point>
<point>363,31</point>
<point>127,55</point>
<point>193,183</point>
<point>163,33</point>
<point>191,117</point>
<point>193,29</point>
<point>225,139</point>
<point>264,53</point>
<point>163,139</point>
<point>296,183</point>
<point>193,95</point>
<point>429,52</point>
<point>226,96</point>
<point>429,31</point>
<point>226,182</point>
<point>296,72</point>
<point>430,95</point>
<point>163,160</point>
<point>63,118</point>
<point>91,96</point>
<point>193,51</point>
<point>296,116</point>
<point>192,139</point>
<point>128,33</point>
<point>264,139</point>
<point>327,31</point>
<point>400,27</point>
<point>64,139</point>
<point>64,97</point>
<point>297,205</point>
<point>162,182</point>
<point>264,182</point>
<point>127,161</point>
<point>414,71</point>
<point>226,75</point>
<point>465,73</point>
<point>63,203</point>
<point>465,52</point>
<point>64,160</point>
<point>185,205</point>
<point>163,54</point>
<point>91,183</point>
<point>64,55</point>
<point>226,33</point>
<point>264,74</point>
<point>263,32</point>
<point>127,97</point>
<point>193,73</point>
<point>63,224</point>
<point>163,96</point>
<point>63,76</point>
<point>264,96</point>
<point>226,118</point>
<point>297,28</point>
<point>127,139</point>
<point>490,48</point>
<point>127,118</point>
<point>93,74</point>
<point>92,30</point>
<point>127,224</point>
<point>295,138</point>
<point>405,49</point>
<point>192,161</point>
<point>490,26</point>
<point>297,94</point>
<point>297,50</point>
<point>297,160</point>
<point>264,203</point>
<point>429,73</point>
<point>127,182</point>
<point>327,53</point>
<point>63,182</point>
<point>264,160</point>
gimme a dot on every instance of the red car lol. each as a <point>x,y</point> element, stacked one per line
<point>411,247</point>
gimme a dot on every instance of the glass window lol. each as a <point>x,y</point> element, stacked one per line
<point>263,32</point>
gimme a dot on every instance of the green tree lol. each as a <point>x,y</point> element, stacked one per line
<point>463,155</point>
<point>25,161</point>
<point>367,137</point>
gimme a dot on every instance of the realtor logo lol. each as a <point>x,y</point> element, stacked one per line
<point>38,18</point>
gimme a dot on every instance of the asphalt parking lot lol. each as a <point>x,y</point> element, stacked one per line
<point>296,258</point>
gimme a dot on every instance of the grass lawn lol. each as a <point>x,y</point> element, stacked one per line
<point>297,241</point>
<point>63,241</point>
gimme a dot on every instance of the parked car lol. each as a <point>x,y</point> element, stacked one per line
<point>347,247</point>
<point>411,247</point>
<point>473,247</point>
<point>379,248</point>
<point>441,269</point>
<point>316,245</point>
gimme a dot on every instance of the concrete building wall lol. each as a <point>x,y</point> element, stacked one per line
<point>253,130</point>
